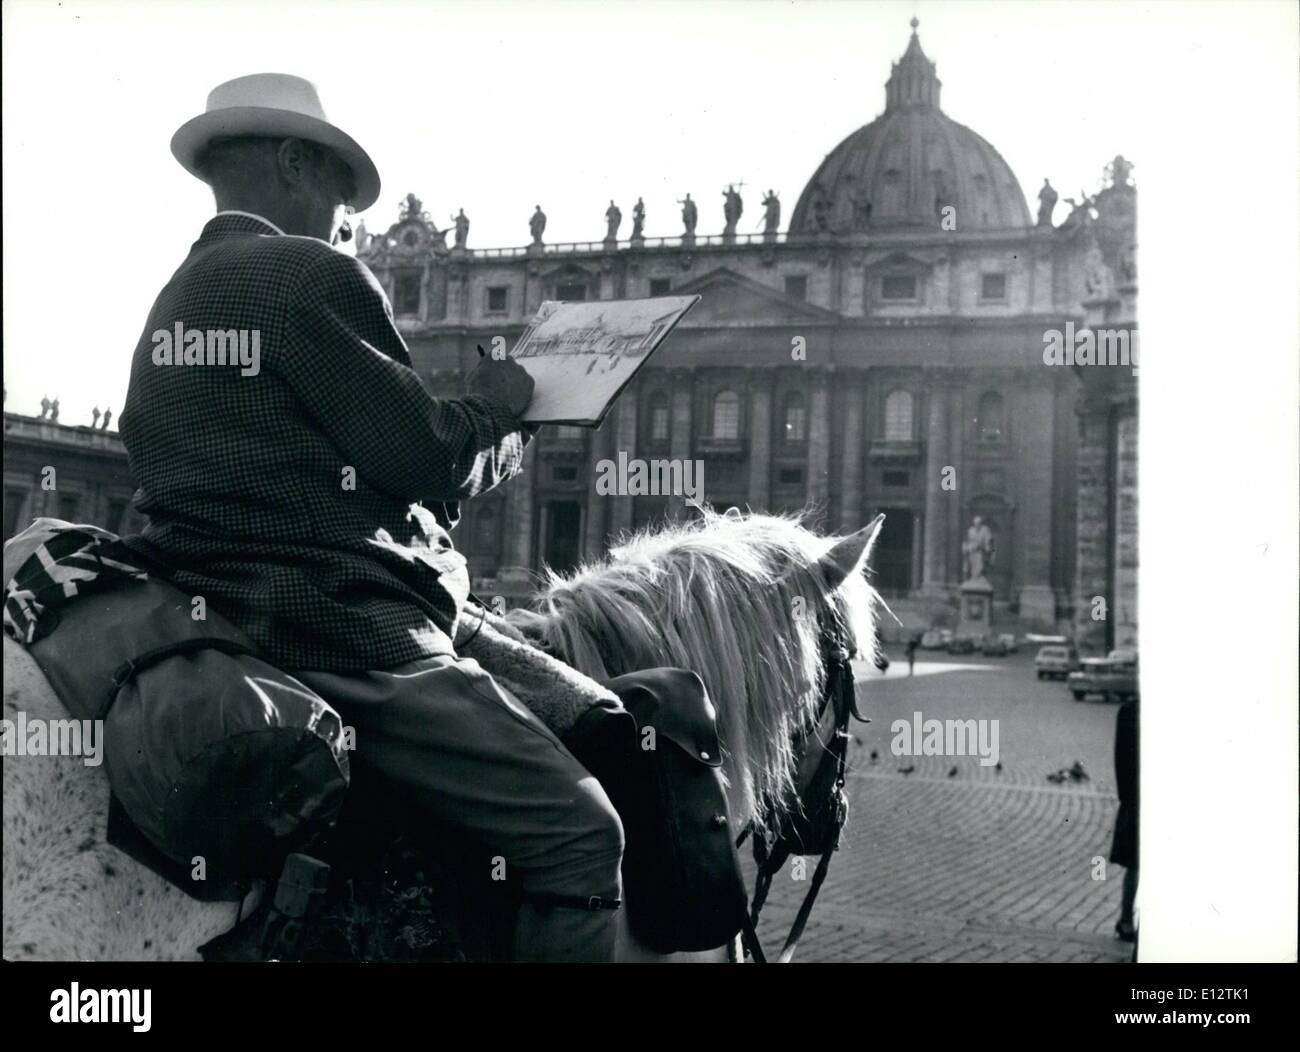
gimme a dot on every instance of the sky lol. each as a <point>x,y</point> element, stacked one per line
<point>495,108</point>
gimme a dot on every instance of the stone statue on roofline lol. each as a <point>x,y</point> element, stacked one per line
<point>537,224</point>
<point>732,208</point>
<point>690,215</point>
<point>638,220</point>
<point>613,220</point>
<point>771,215</point>
<point>1047,198</point>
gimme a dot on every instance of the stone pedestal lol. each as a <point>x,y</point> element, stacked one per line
<point>976,608</point>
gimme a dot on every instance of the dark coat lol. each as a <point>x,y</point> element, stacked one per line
<point>307,500</point>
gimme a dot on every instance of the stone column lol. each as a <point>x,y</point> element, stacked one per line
<point>957,417</point>
<point>935,570</point>
<point>683,395</point>
<point>1123,612</point>
<point>1034,462</point>
<point>760,438</point>
<point>624,441</point>
<point>1092,515</point>
<point>516,574</point>
<point>598,504</point>
<point>680,430</point>
<point>819,444</point>
<point>851,514</point>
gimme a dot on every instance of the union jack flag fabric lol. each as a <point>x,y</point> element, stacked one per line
<point>65,561</point>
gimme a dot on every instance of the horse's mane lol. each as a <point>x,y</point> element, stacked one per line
<point>736,599</point>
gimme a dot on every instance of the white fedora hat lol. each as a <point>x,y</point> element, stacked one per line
<point>273,104</point>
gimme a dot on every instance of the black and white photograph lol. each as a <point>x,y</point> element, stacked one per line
<point>575,483</point>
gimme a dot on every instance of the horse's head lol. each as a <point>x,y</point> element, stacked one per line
<point>742,600</point>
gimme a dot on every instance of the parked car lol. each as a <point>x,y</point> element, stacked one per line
<point>994,646</point>
<point>962,645</point>
<point>936,639</point>
<point>1114,676</point>
<point>1009,641</point>
<point>1056,662</point>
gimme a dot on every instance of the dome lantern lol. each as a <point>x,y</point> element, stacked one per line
<point>912,80</point>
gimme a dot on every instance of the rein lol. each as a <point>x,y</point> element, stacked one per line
<point>818,832</point>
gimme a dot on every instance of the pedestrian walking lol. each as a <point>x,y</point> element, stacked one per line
<point>1124,844</point>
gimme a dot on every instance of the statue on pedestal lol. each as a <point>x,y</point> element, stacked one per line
<point>411,208</point>
<point>613,220</point>
<point>1047,198</point>
<point>1118,170</point>
<point>45,407</point>
<point>462,228</point>
<point>108,416</point>
<point>638,220</point>
<point>537,225</point>
<point>771,215</point>
<point>977,550</point>
<point>94,418</point>
<point>732,207</point>
<point>690,215</point>
<point>54,410</point>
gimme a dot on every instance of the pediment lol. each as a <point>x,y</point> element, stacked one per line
<point>569,272</point>
<point>733,299</point>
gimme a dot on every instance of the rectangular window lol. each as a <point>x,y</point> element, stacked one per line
<point>659,424</point>
<point>993,287</point>
<point>726,418</point>
<point>796,286</point>
<point>572,293</point>
<point>661,286</point>
<point>406,293</point>
<point>15,499</point>
<point>498,299</point>
<point>796,423</point>
<point>898,287</point>
<point>790,476</point>
<point>897,478</point>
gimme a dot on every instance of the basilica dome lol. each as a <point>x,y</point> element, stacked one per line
<point>907,165</point>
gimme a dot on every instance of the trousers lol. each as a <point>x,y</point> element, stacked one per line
<point>470,754</point>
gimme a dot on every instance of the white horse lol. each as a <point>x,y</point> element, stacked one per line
<point>738,599</point>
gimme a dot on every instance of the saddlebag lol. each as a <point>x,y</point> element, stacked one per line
<point>683,886</point>
<point>222,762</point>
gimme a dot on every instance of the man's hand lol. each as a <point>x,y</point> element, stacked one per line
<point>503,381</point>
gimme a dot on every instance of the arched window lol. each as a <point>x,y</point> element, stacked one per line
<point>990,417</point>
<point>898,417</point>
<point>796,418</point>
<point>658,418</point>
<point>726,415</point>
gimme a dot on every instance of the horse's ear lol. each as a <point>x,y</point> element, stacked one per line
<point>850,555</point>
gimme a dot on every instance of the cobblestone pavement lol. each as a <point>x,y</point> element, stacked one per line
<point>956,861</point>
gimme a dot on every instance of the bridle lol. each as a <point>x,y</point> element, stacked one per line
<point>813,829</point>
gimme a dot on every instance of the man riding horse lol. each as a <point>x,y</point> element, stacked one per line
<point>309,501</point>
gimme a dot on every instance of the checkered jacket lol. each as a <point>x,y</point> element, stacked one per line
<point>308,503</point>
